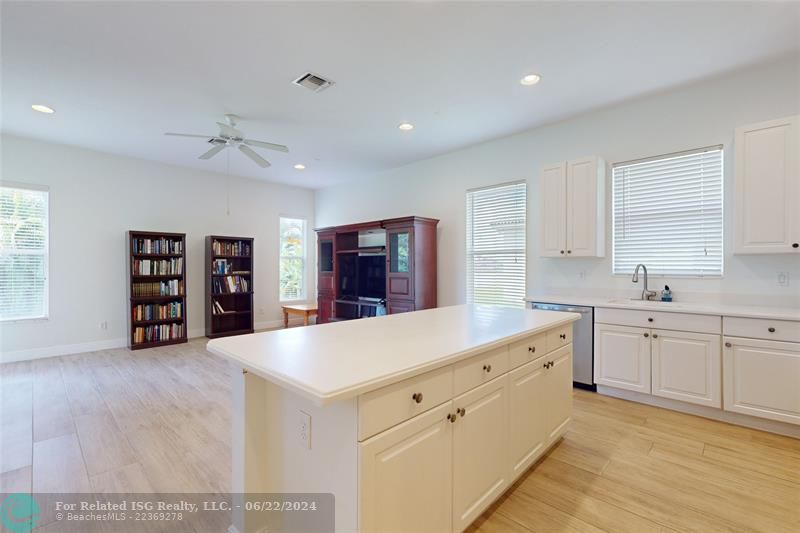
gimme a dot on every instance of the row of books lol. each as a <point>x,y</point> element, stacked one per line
<point>157,311</point>
<point>221,266</point>
<point>156,267</point>
<point>172,287</point>
<point>158,246</point>
<point>230,284</point>
<point>161,332</point>
<point>239,248</point>
<point>216,308</point>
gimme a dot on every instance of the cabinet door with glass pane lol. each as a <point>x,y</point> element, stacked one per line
<point>399,259</point>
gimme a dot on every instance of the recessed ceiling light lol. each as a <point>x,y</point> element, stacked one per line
<point>43,108</point>
<point>530,79</point>
<point>299,166</point>
<point>406,126</point>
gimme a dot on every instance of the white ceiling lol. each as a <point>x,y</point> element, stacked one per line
<point>119,75</point>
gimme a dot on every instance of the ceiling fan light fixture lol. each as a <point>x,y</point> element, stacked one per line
<point>299,166</point>
<point>405,126</point>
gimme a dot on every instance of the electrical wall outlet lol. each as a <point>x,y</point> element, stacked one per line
<point>104,324</point>
<point>304,429</point>
<point>783,279</point>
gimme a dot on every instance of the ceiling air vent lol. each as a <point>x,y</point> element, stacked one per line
<point>312,81</point>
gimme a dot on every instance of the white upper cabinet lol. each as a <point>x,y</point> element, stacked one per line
<point>767,187</point>
<point>553,222</point>
<point>572,196</point>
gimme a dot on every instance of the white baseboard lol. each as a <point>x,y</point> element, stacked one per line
<point>30,354</point>
<point>63,349</point>
<point>738,419</point>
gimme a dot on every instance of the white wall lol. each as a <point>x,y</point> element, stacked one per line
<point>96,198</point>
<point>694,116</point>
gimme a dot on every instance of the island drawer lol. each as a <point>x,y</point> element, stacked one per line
<point>761,328</point>
<point>659,319</point>
<point>480,369</point>
<point>559,337</point>
<point>527,349</point>
<point>386,407</point>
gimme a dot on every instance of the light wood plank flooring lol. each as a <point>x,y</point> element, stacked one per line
<point>159,421</point>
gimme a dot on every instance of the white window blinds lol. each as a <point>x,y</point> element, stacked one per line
<point>668,214</point>
<point>496,245</point>
<point>23,253</point>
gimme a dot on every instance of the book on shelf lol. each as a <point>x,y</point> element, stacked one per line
<point>162,246</point>
<point>217,309</point>
<point>157,311</point>
<point>158,267</point>
<point>220,266</point>
<point>172,287</point>
<point>157,333</point>
<point>235,248</point>
<point>230,285</point>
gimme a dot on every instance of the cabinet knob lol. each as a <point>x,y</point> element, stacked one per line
<point>563,336</point>
<point>650,319</point>
<point>417,397</point>
<point>646,335</point>
<point>569,251</point>
<point>487,368</point>
<point>655,335</point>
<point>562,252</point>
<point>451,417</point>
<point>532,349</point>
<point>461,411</point>
<point>796,245</point>
<point>771,330</point>
<point>728,345</point>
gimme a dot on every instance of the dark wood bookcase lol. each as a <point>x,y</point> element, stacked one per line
<point>229,286</point>
<point>156,289</point>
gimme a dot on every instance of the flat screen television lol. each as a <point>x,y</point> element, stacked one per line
<point>372,276</point>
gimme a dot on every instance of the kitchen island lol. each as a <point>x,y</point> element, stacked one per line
<point>415,422</point>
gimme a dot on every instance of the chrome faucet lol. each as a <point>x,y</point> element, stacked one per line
<point>646,294</point>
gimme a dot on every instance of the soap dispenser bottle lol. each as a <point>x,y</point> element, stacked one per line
<point>666,294</point>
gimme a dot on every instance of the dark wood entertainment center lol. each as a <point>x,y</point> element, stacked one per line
<point>371,267</point>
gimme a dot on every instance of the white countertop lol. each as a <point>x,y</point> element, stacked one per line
<point>721,309</point>
<point>333,362</point>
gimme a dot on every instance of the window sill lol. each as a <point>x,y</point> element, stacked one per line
<point>19,320</point>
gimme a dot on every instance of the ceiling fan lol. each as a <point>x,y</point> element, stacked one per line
<point>230,136</point>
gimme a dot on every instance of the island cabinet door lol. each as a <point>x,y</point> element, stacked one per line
<point>557,392</point>
<point>480,453</point>
<point>406,475</point>
<point>526,426</point>
<point>622,357</point>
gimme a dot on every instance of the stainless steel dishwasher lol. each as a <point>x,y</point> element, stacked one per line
<point>582,342</point>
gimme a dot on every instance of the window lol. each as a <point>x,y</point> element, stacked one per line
<point>496,245</point>
<point>23,252</point>
<point>668,214</point>
<point>293,259</point>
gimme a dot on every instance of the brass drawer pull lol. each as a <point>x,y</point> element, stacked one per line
<point>417,397</point>
<point>487,368</point>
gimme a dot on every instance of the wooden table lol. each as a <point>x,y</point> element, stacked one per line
<point>305,310</point>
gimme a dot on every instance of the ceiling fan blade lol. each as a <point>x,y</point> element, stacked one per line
<point>189,135</point>
<point>214,151</point>
<point>262,144</point>
<point>229,131</point>
<point>249,152</point>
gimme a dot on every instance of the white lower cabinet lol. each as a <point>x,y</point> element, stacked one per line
<point>687,367</point>
<point>439,470</point>
<point>480,457</point>
<point>622,357</point>
<point>762,378</point>
<point>406,475</point>
<point>557,392</point>
<point>526,431</point>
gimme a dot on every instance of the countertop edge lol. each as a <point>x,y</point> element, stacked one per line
<point>693,308</point>
<point>320,398</point>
